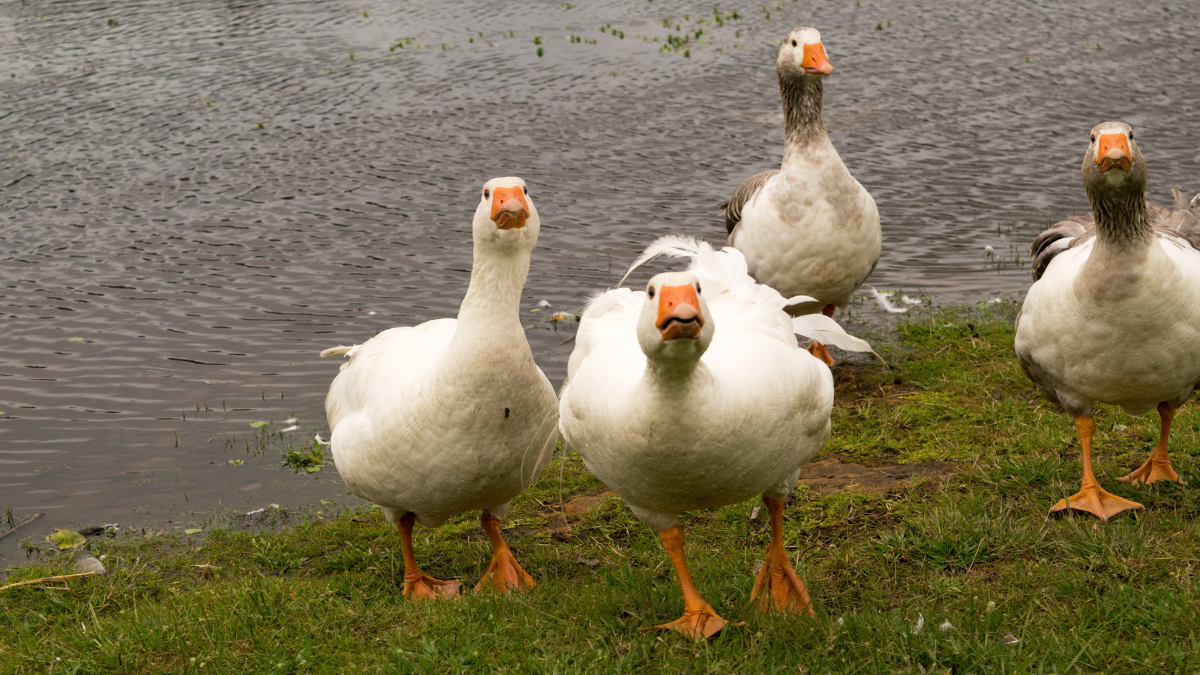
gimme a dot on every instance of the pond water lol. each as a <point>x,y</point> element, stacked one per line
<point>196,197</point>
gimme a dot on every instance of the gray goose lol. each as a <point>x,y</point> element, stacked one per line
<point>807,228</point>
<point>1114,312</point>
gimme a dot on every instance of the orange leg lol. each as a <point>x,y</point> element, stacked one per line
<point>816,348</point>
<point>503,574</point>
<point>419,586</point>
<point>699,620</point>
<point>777,586</point>
<point>1091,497</point>
<point>1158,467</point>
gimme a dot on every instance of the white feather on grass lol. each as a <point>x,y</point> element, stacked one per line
<point>916,629</point>
<point>884,302</point>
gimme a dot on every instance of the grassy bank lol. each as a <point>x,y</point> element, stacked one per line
<point>996,585</point>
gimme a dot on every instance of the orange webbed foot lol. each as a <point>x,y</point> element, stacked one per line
<point>699,624</point>
<point>1097,501</point>
<point>425,587</point>
<point>504,574</point>
<point>821,352</point>
<point>778,588</point>
<point>1153,471</point>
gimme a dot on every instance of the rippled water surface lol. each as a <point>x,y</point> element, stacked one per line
<point>196,197</point>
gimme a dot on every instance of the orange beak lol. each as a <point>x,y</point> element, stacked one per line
<point>509,208</point>
<point>1113,150</point>
<point>815,61</point>
<point>679,314</point>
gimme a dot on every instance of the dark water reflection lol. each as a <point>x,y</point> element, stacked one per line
<point>209,193</point>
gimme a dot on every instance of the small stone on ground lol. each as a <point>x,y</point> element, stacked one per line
<point>89,563</point>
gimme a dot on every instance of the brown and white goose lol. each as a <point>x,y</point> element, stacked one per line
<point>807,228</point>
<point>1114,313</point>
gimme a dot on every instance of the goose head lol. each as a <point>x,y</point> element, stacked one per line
<point>803,54</point>
<point>675,327</point>
<point>505,220</point>
<point>1113,165</point>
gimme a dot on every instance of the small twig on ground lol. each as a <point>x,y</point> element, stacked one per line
<point>21,524</point>
<point>61,577</point>
<point>562,508</point>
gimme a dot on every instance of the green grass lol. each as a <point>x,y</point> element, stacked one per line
<point>1074,594</point>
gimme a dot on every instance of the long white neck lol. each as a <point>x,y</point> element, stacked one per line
<point>491,309</point>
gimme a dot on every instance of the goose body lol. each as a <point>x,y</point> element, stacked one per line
<point>742,422</point>
<point>680,421</point>
<point>452,415</point>
<point>1114,313</point>
<point>1117,327</point>
<point>808,228</point>
<point>439,419</point>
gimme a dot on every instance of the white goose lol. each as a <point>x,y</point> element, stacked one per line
<point>1114,313</point>
<point>452,415</point>
<point>694,394</point>
<point>808,228</point>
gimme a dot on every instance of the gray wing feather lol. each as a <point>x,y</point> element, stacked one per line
<point>1060,237</point>
<point>1182,203</point>
<point>733,207</point>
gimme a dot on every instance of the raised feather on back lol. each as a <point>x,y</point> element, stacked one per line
<point>718,271</point>
<point>725,271</point>
<point>1182,220</point>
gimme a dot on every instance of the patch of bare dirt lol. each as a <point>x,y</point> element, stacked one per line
<point>576,508</point>
<point>581,506</point>
<point>850,386</point>
<point>830,476</point>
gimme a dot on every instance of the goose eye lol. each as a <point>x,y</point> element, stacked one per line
<point>697,288</point>
<point>1131,134</point>
<point>485,194</point>
<point>794,44</point>
<point>651,292</point>
<point>526,189</point>
<point>1093,138</point>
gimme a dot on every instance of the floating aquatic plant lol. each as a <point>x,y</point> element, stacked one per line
<point>65,539</point>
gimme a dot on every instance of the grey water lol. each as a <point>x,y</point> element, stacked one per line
<point>196,197</point>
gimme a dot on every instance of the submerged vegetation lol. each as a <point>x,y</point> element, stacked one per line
<point>964,575</point>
